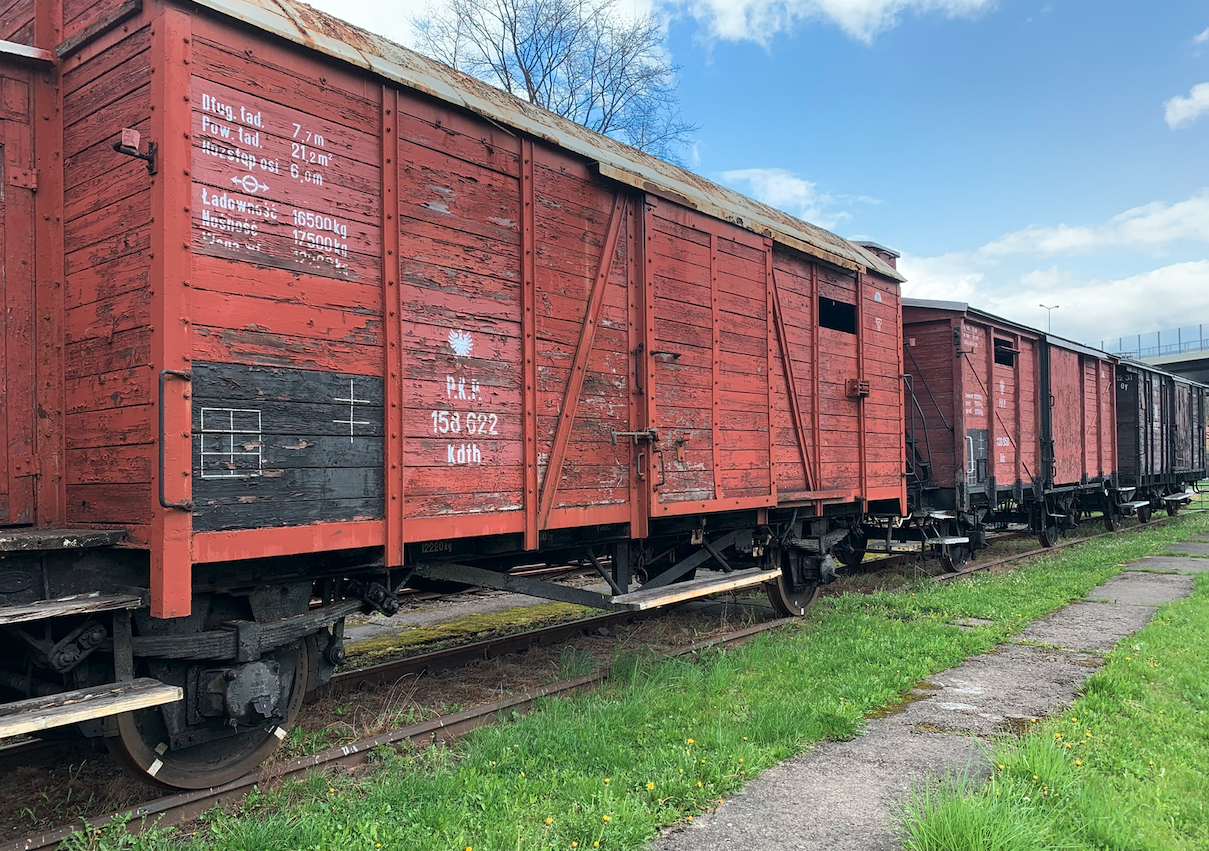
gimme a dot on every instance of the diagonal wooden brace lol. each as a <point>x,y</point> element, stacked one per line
<point>579,369</point>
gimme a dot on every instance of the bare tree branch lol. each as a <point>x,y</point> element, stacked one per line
<point>581,59</point>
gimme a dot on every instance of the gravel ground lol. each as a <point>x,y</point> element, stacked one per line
<point>843,795</point>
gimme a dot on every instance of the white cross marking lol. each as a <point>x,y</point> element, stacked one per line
<point>352,401</point>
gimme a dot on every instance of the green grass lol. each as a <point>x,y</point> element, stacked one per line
<point>1125,768</point>
<point>663,740</point>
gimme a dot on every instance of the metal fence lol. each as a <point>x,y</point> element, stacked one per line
<point>1174,341</point>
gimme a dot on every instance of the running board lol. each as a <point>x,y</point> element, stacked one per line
<point>78,604</point>
<point>72,707</point>
<point>1179,497</point>
<point>879,546</point>
<point>1133,506</point>
<point>678,592</point>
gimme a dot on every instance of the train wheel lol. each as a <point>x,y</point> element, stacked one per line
<point>141,743</point>
<point>1173,508</point>
<point>787,602</point>
<point>1144,514</point>
<point>1049,536</point>
<point>955,557</point>
<point>1112,521</point>
<point>851,551</point>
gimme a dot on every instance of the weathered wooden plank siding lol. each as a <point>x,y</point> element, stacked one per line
<point>460,256</point>
<point>107,328</point>
<point>17,21</point>
<point>286,292</point>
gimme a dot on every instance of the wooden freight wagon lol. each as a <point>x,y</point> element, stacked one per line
<point>296,315</point>
<point>1006,423</point>
<point>1160,437</point>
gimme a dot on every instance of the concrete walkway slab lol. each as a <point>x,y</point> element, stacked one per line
<point>1087,626</point>
<point>1135,588</point>
<point>836,796</point>
<point>990,694</point>
<point>1196,548</point>
<point>1171,564</point>
<point>842,796</point>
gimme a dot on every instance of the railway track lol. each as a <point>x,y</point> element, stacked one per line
<point>182,807</point>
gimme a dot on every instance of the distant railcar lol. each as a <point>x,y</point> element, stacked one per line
<point>295,315</point>
<point>1005,423</point>
<point>1160,450</point>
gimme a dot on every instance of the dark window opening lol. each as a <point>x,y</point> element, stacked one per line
<point>1005,354</point>
<point>837,315</point>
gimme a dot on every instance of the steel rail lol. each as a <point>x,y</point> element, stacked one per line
<point>181,807</point>
<point>965,571</point>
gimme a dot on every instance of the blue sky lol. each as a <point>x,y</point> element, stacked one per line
<point>1014,152</point>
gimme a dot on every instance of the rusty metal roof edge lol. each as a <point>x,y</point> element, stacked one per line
<point>24,51</point>
<point>292,28</point>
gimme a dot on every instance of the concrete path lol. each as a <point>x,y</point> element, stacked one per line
<point>842,795</point>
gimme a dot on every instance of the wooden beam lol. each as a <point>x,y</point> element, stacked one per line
<point>579,368</point>
<point>72,707</point>
<point>794,409</point>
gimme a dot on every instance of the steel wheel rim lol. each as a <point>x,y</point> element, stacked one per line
<point>190,769</point>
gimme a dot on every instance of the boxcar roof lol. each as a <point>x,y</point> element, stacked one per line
<point>964,308</point>
<point>1133,363</point>
<point>319,31</point>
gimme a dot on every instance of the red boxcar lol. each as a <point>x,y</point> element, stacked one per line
<point>295,313</point>
<point>1007,422</point>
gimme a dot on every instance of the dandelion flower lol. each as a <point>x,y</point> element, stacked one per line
<point>1088,735</point>
<point>1001,768</point>
<point>745,738</point>
<point>331,790</point>
<point>1034,776</point>
<point>606,818</point>
<point>690,741</point>
<point>1034,720</point>
<point>1068,744</point>
<point>740,759</point>
<point>1074,720</point>
<point>699,782</point>
<point>549,820</point>
<point>607,781</point>
<point>650,785</point>
<point>1078,762</point>
<point>690,818</point>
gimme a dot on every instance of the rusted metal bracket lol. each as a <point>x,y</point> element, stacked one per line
<point>24,178</point>
<point>856,388</point>
<point>25,465</point>
<point>129,145</point>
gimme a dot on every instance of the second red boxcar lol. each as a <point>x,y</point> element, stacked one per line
<point>1006,422</point>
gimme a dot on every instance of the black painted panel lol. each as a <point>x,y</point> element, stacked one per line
<point>284,447</point>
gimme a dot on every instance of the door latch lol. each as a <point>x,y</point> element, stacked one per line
<point>647,435</point>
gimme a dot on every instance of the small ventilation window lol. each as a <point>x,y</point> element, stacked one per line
<point>1005,354</point>
<point>837,315</point>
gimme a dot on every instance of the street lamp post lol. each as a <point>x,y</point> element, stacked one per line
<point>1049,317</point>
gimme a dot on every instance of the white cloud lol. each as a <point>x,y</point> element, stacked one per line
<point>1181,110</point>
<point>1151,226</point>
<point>760,20</point>
<point>795,195</point>
<point>1089,310</point>
<point>1202,38</point>
<point>1000,277</point>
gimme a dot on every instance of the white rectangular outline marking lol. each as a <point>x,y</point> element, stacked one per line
<point>230,454</point>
